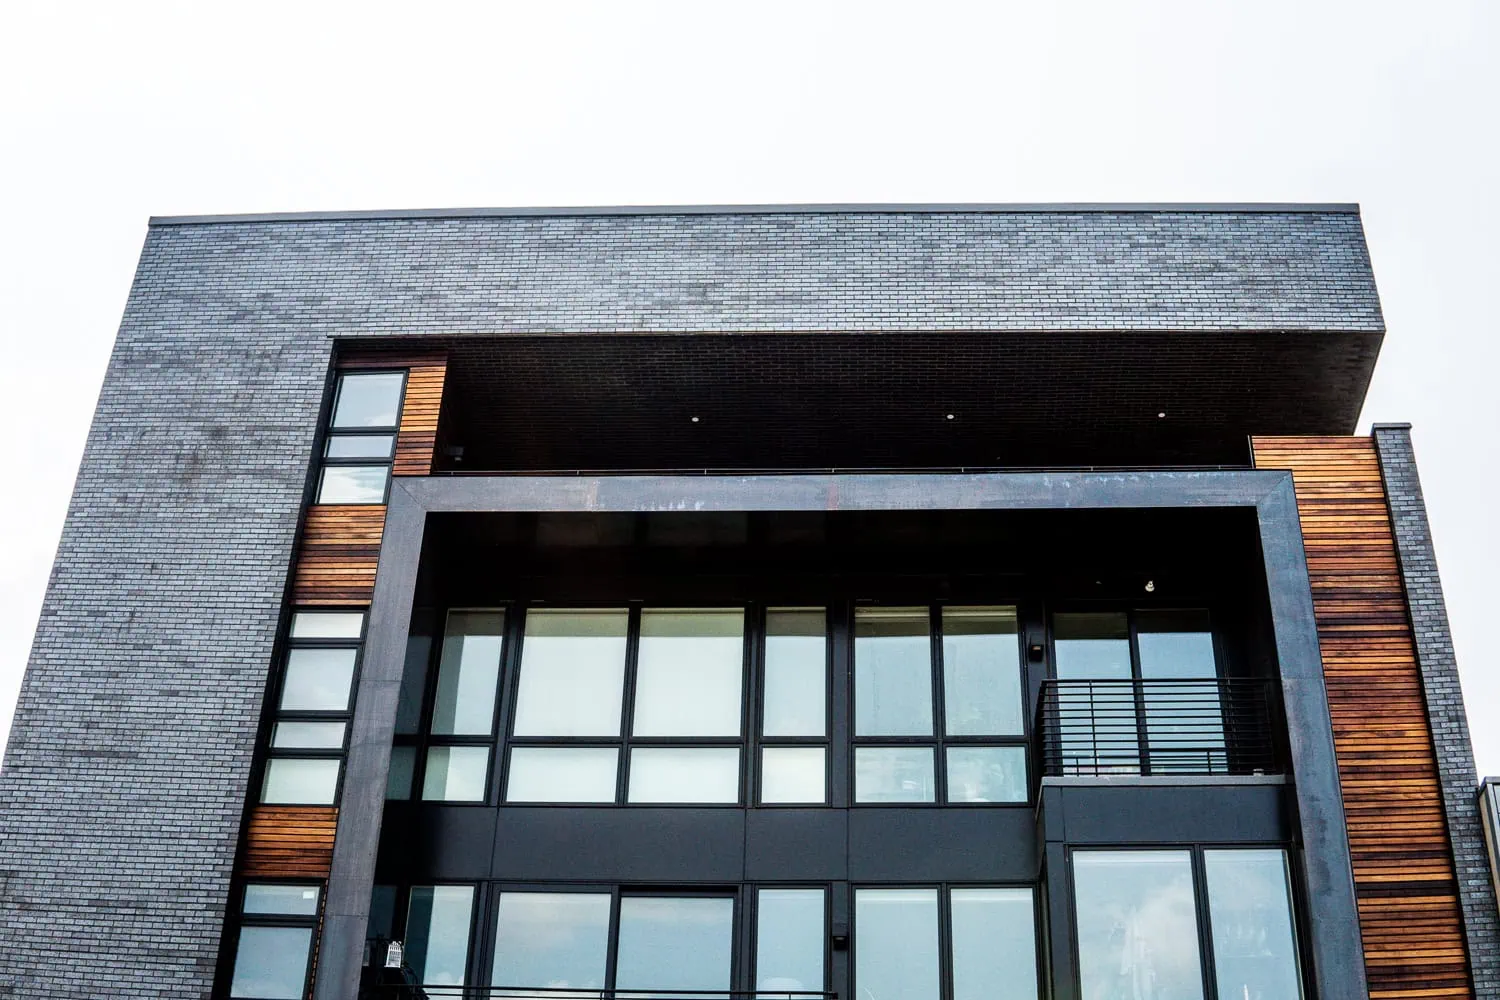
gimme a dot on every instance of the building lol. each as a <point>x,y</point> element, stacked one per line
<point>899,602</point>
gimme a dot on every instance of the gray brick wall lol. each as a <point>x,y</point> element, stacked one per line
<point>1445,703</point>
<point>126,774</point>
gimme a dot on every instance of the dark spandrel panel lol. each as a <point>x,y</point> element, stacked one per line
<point>674,943</point>
<point>896,944</point>
<point>551,940</point>
<point>1137,922</point>
<point>271,963</point>
<point>368,400</point>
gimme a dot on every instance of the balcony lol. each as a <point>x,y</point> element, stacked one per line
<point>1100,728</point>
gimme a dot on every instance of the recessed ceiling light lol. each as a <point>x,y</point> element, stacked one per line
<point>1162,414</point>
<point>950,416</point>
<point>695,420</point>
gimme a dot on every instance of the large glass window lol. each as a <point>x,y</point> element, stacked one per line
<point>685,689</point>
<point>361,438</point>
<point>978,753</point>
<point>1140,924</point>
<point>989,942</point>
<point>794,713</point>
<point>554,940</point>
<point>789,940</point>
<point>275,940</point>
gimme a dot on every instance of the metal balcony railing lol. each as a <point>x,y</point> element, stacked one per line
<point>1158,727</point>
<point>408,991</point>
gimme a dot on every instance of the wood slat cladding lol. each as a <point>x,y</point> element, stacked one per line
<point>1409,916</point>
<point>419,420</point>
<point>339,553</point>
<point>289,842</point>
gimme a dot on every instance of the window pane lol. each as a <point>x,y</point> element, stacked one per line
<point>1093,646</point>
<point>317,680</point>
<point>1184,719</point>
<point>994,944</point>
<point>398,777</point>
<point>1136,924</point>
<point>300,781</point>
<point>693,774</point>
<point>982,672</point>
<point>455,774</point>
<point>293,900</point>
<point>308,735</point>
<point>562,774</point>
<point>468,674</point>
<point>986,774</point>
<point>896,944</point>
<point>796,672</point>
<point>572,673</point>
<point>327,624</point>
<point>271,963</point>
<point>359,446</point>
<point>892,672</point>
<point>551,940</point>
<point>382,922</point>
<point>792,774</point>
<point>789,935</point>
<point>1175,645</point>
<point>671,943</point>
<point>353,484</point>
<point>687,682</point>
<point>368,400</point>
<point>893,774</point>
<point>413,683</point>
<point>437,933</point>
<point>1250,912</point>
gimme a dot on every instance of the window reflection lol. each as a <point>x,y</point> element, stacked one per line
<point>893,774</point>
<point>896,944</point>
<point>368,400</point>
<point>468,674</point>
<point>1250,913</point>
<point>688,678</point>
<point>789,940</point>
<point>437,933</point>
<point>674,943</point>
<point>981,672</point>
<point>892,672</point>
<point>1137,925</point>
<point>994,944</point>
<point>796,670</point>
<point>572,673</point>
<point>551,940</point>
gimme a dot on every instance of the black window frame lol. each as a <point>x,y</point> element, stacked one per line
<point>330,433</point>
<point>1204,923</point>
<point>940,740</point>
<point>311,922</point>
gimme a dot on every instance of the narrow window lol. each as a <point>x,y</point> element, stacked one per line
<point>1184,716</point>
<point>994,944</point>
<point>1096,699</point>
<point>1250,916</point>
<point>795,707</point>
<point>1137,924</point>
<point>361,440</point>
<point>438,922</point>
<point>789,936</point>
<point>462,726</point>
<point>368,400</point>
<point>275,941</point>
<point>313,708</point>
<point>301,781</point>
<point>896,944</point>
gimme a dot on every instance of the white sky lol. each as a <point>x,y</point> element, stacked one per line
<point>115,112</point>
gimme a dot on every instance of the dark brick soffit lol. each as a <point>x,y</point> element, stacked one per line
<point>1442,694</point>
<point>939,208</point>
<point>1339,965</point>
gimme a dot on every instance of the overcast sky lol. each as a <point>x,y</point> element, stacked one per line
<point>116,112</point>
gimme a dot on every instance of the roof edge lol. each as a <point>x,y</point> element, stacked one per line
<point>921,208</point>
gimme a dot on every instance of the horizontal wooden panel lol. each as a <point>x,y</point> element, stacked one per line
<point>339,553</point>
<point>1409,917</point>
<point>290,842</point>
<point>419,419</point>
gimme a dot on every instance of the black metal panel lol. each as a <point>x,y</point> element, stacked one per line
<point>1143,812</point>
<point>941,845</point>
<point>424,842</point>
<point>639,844</point>
<point>797,844</point>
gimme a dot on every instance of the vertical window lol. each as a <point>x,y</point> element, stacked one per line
<point>313,706</point>
<point>361,438</point>
<point>438,923</point>
<point>551,940</point>
<point>1184,716</point>
<point>978,754</point>
<point>1137,924</point>
<point>462,726</point>
<point>794,707</point>
<point>275,941</point>
<point>675,943</point>
<point>1250,916</point>
<point>789,936</point>
<point>988,941</point>
<point>679,685</point>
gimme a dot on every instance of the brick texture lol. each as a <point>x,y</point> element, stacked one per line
<point>1445,704</point>
<point>126,776</point>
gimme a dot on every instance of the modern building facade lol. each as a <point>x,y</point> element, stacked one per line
<point>892,602</point>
